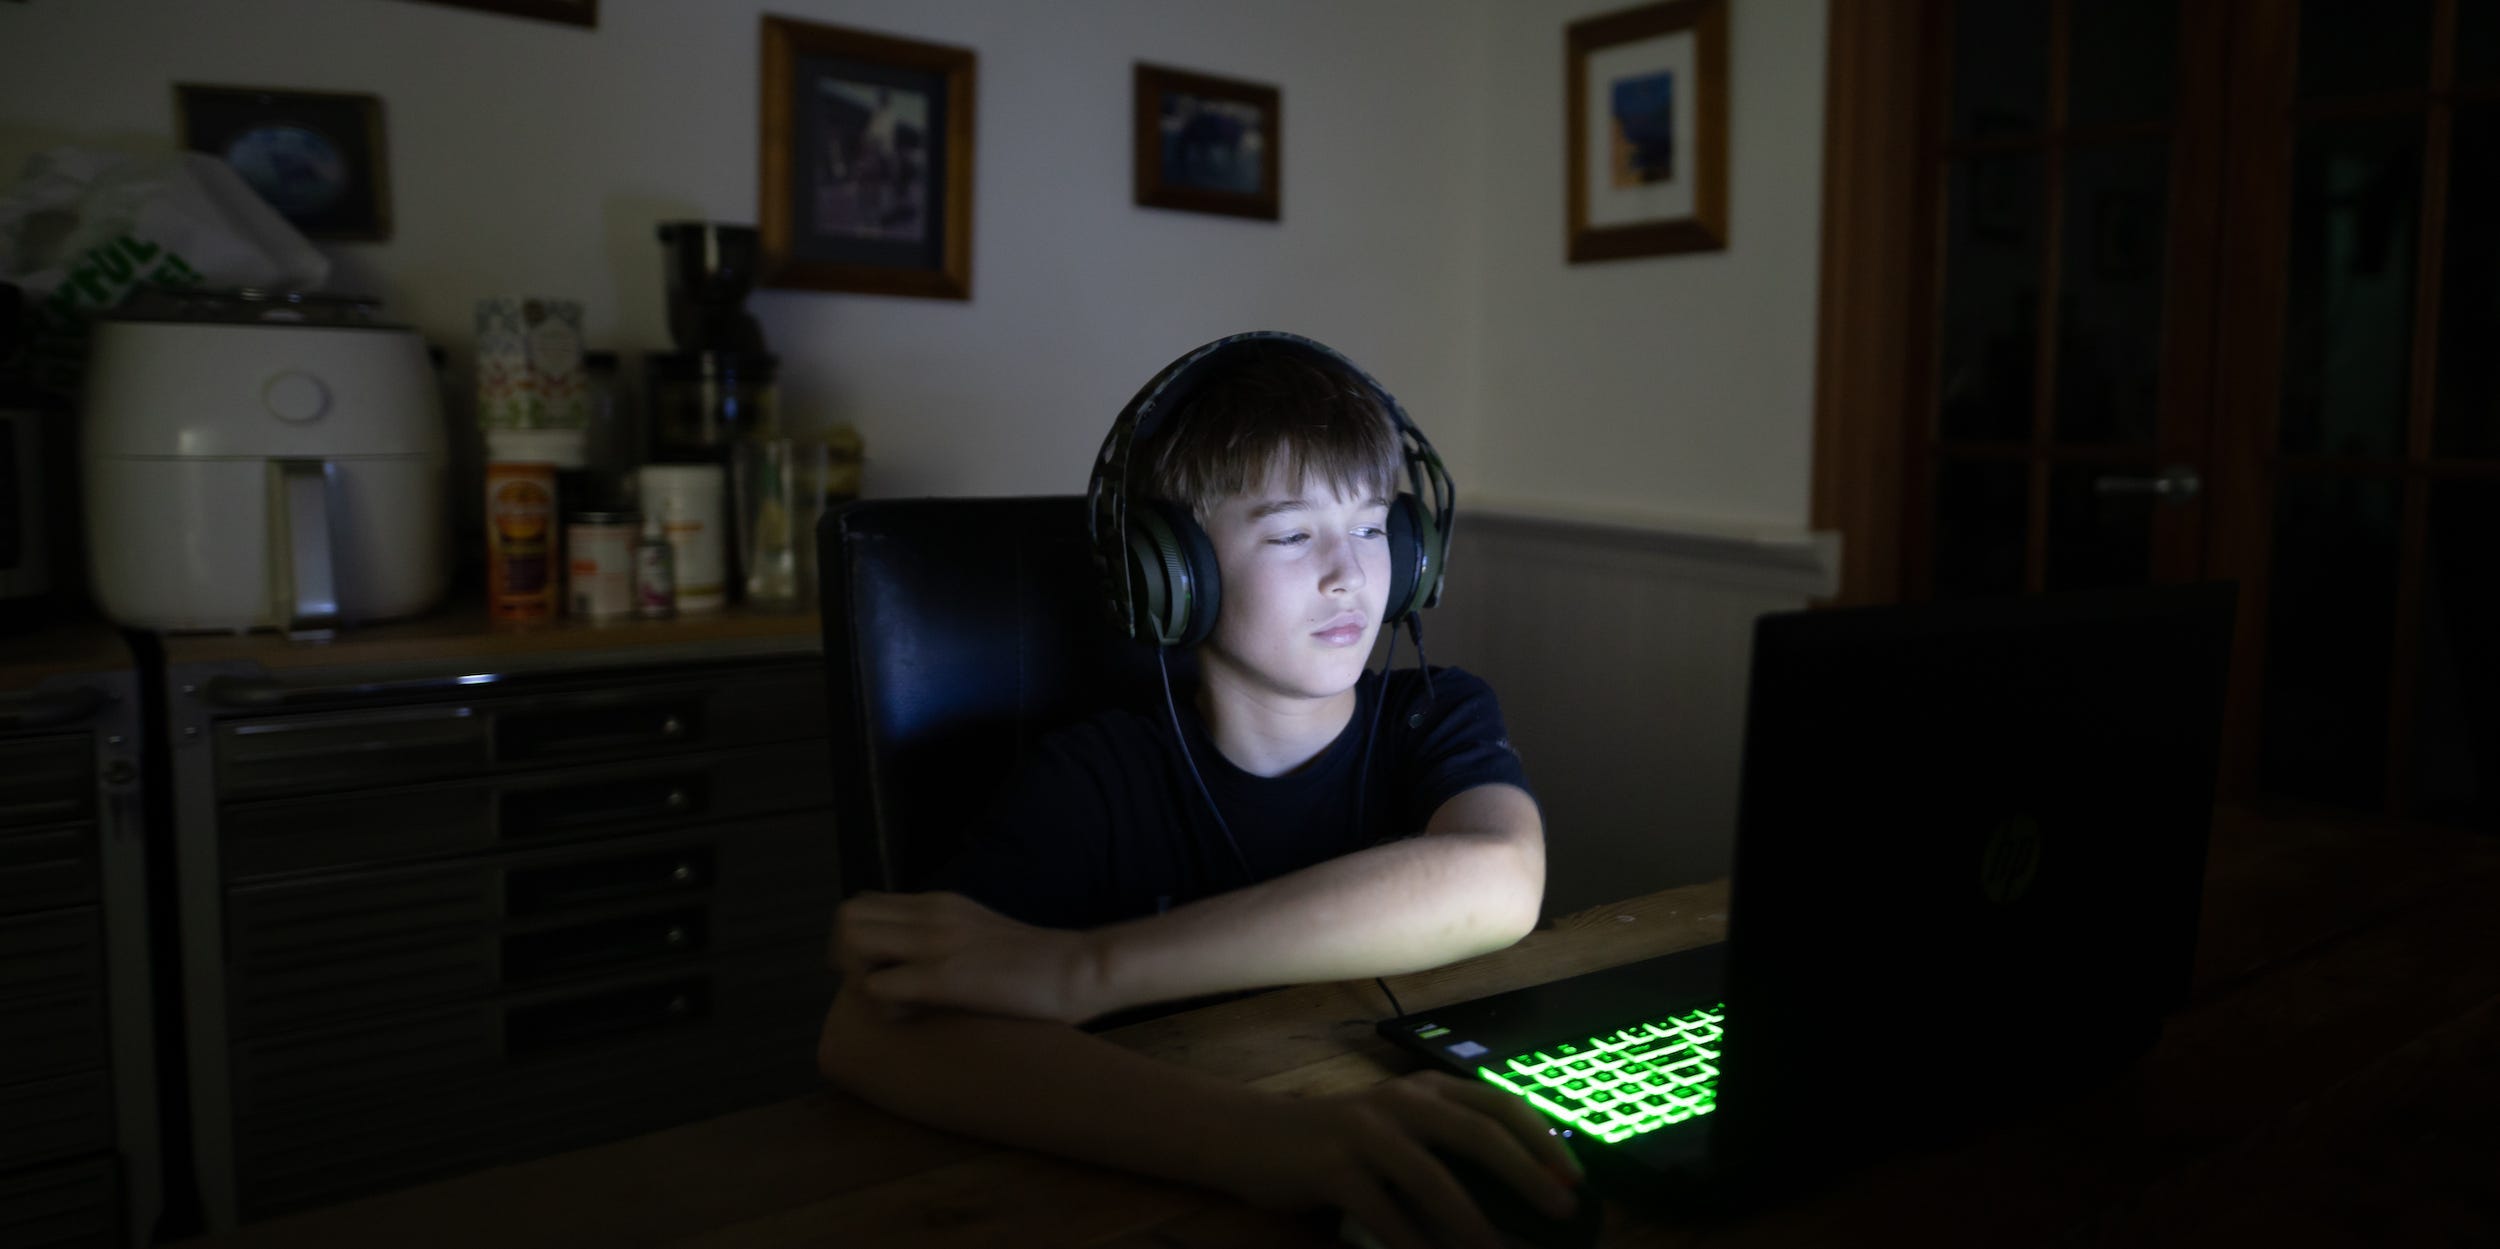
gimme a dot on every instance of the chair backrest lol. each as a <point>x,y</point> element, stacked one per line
<point>957,633</point>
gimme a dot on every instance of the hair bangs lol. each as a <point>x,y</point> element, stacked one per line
<point>1274,411</point>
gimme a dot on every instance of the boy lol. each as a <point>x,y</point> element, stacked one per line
<point>1263,832</point>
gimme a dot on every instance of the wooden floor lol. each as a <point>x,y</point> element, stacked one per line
<point>2335,1080</point>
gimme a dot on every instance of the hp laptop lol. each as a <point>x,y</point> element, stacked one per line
<point>1970,847</point>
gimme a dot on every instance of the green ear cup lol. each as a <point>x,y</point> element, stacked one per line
<point>1172,566</point>
<point>1158,577</point>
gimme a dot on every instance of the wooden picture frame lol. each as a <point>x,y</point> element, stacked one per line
<point>867,162</point>
<point>317,157</point>
<point>1645,131</point>
<point>1208,144</point>
<point>568,12</point>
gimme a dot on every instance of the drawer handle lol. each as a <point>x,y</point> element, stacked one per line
<point>261,693</point>
<point>554,732</point>
<point>45,711</point>
<point>575,949</point>
<point>582,1022</point>
<point>558,809</point>
<point>558,888</point>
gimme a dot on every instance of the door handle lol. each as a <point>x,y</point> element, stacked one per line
<point>2175,483</point>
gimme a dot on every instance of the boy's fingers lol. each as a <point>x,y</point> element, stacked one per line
<point>908,983</point>
<point>888,986</point>
<point>882,939</point>
<point>1488,1135</point>
<point>1523,1121</point>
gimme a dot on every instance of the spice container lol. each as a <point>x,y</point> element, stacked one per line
<point>520,541</point>
<point>688,500</point>
<point>600,564</point>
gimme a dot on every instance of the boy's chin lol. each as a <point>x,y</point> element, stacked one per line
<point>1321,672</point>
<point>1335,671</point>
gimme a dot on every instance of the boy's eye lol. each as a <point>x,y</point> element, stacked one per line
<point>1291,539</point>
<point>1372,531</point>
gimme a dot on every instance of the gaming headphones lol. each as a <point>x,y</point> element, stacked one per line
<point>1157,566</point>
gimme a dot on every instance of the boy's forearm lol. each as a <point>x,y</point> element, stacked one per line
<point>1405,906</point>
<point>1038,1085</point>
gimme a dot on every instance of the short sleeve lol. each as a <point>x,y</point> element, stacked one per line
<point>1456,742</point>
<point>1037,857</point>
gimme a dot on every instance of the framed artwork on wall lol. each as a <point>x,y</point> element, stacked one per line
<point>569,12</point>
<point>316,156</point>
<point>1208,144</point>
<point>1645,131</point>
<point>867,162</point>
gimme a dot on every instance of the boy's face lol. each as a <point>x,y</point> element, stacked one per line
<point>1306,577</point>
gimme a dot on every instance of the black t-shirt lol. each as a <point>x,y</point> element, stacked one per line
<point>1104,823</point>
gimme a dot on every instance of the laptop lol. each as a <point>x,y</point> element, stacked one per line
<point>1970,848</point>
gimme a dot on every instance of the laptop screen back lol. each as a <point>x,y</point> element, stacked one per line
<point>1971,847</point>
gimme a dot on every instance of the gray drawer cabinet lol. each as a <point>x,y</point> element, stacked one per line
<point>442,921</point>
<point>79,1162</point>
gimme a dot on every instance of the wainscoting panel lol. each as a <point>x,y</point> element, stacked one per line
<point>1619,647</point>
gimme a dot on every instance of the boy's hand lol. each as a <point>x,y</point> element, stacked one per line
<point>1369,1154</point>
<point>944,949</point>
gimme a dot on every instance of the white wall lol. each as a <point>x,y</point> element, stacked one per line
<point>1680,386</point>
<point>529,156</point>
<point>1422,233</point>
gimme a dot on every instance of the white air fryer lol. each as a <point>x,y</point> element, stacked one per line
<point>259,460</point>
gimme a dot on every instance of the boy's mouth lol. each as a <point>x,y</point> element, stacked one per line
<point>1345,630</point>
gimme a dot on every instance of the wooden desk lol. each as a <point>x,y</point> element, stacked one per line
<point>2336,1079</point>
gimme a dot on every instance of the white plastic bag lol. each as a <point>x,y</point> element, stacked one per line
<point>81,227</point>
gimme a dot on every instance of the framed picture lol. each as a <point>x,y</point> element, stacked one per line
<point>1645,129</point>
<point>867,162</point>
<point>316,156</point>
<point>569,12</point>
<point>1210,145</point>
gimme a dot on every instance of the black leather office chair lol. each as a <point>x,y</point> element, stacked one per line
<point>957,632</point>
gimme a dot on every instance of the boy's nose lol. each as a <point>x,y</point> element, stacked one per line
<point>1345,566</point>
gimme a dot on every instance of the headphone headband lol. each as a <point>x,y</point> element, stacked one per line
<point>1110,495</point>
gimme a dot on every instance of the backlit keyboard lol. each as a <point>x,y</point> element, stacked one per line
<point>1640,1079</point>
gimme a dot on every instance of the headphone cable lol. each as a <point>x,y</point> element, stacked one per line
<point>1172,708</point>
<point>1248,877</point>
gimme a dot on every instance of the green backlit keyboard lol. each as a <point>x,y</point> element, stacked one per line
<point>1642,1078</point>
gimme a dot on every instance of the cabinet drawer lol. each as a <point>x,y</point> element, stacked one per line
<point>47,780</point>
<point>74,1204</point>
<point>531,808</point>
<point>52,1013</point>
<point>325,947</point>
<point>53,1035</point>
<point>41,1120</point>
<point>329,751</point>
<point>342,750</point>
<point>329,1114</point>
<point>45,868</point>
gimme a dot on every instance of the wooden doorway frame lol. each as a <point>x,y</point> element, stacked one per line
<point>1881,243</point>
<point>1872,123</point>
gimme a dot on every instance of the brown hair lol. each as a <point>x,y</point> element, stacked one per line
<point>1324,421</point>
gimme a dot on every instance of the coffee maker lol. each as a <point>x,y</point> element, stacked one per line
<point>718,386</point>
